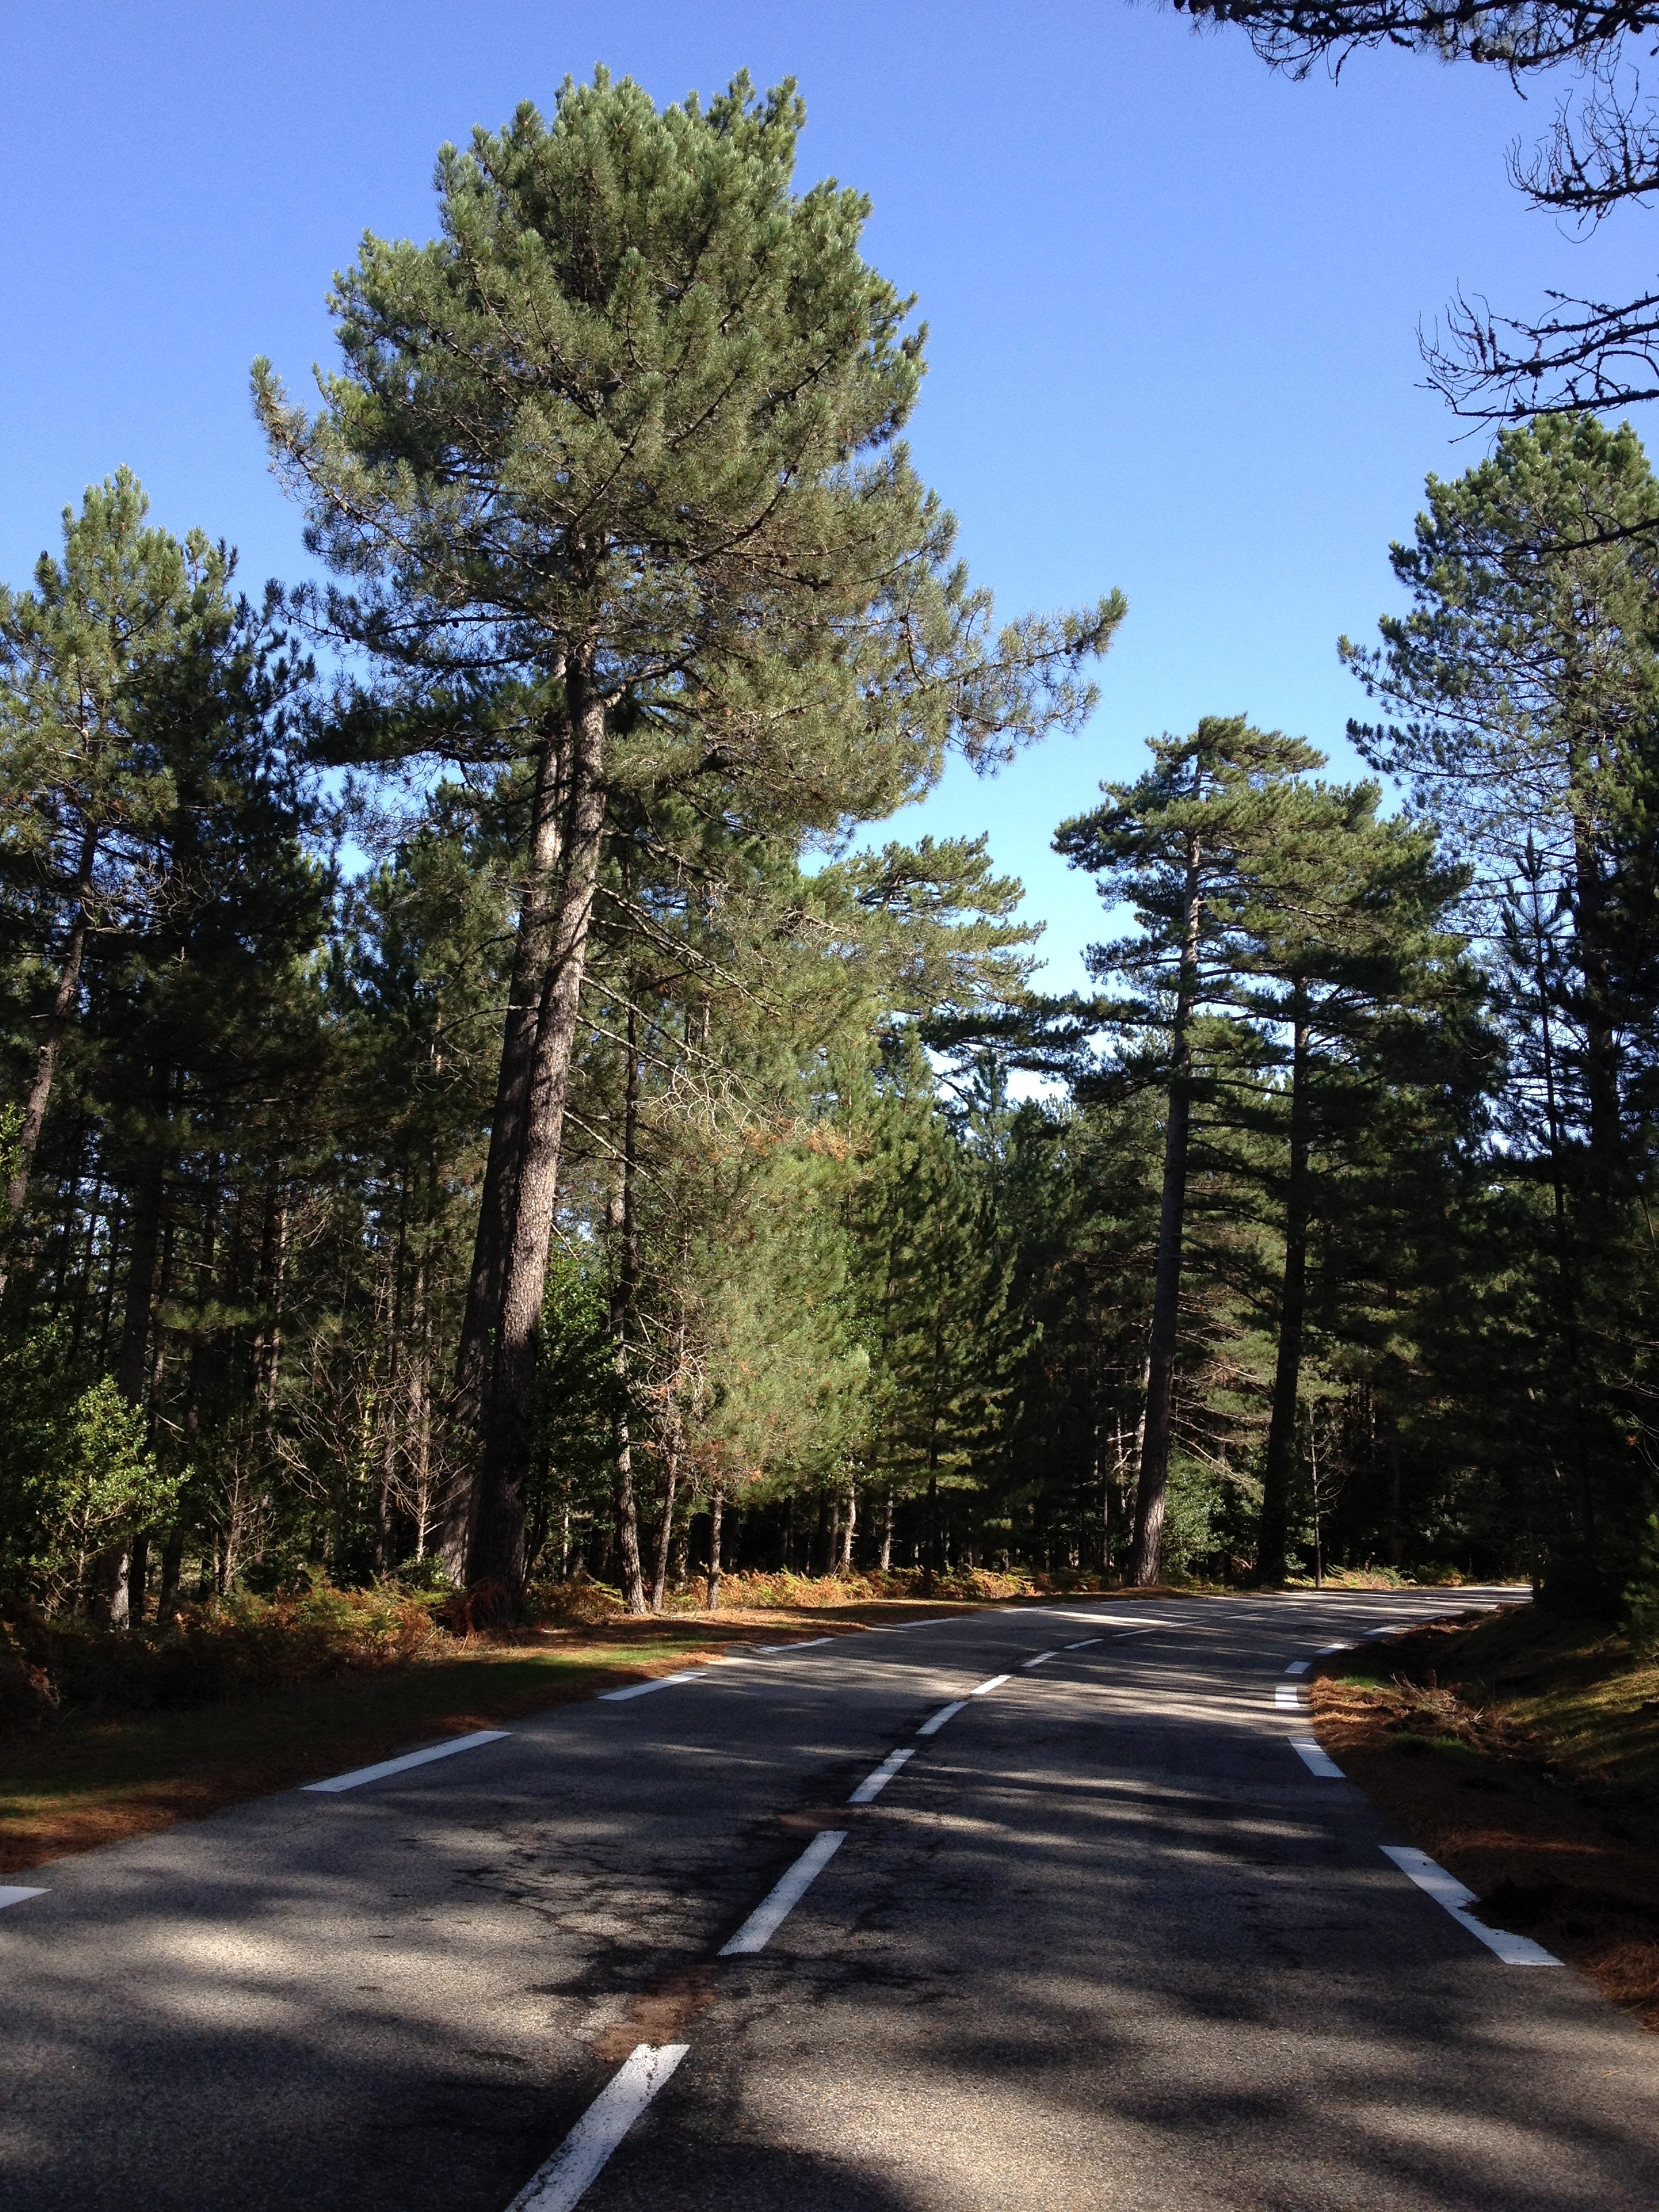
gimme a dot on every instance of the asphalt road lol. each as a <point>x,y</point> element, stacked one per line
<point>1103,1941</point>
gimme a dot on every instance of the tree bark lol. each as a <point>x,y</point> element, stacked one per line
<point>51,1040</point>
<point>622,1318</point>
<point>1273,1533</point>
<point>532,955</point>
<point>716,1515</point>
<point>495,1549</point>
<point>1171,1229</point>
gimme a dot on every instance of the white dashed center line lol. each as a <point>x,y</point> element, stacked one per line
<point>580,2157</point>
<point>1041,1659</point>
<point>872,1784</point>
<point>995,1683</point>
<point>10,1894</point>
<point>769,1914</point>
<point>944,1713</point>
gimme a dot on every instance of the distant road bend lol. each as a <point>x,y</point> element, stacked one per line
<point>1030,1911</point>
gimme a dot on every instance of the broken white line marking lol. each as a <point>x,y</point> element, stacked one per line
<point>580,2157</point>
<point>801,1643</point>
<point>1287,1698</point>
<point>1315,1759</point>
<point>872,1784</point>
<point>1299,1666</point>
<point>995,1683</point>
<point>1129,1632</point>
<point>644,1689</point>
<point>944,1713</point>
<point>1084,1644</point>
<point>10,1894</point>
<point>1446,1890</point>
<point>1041,1659</point>
<point>769,1914</point>
<point>1327,1649</point>
<point>359,1775</point>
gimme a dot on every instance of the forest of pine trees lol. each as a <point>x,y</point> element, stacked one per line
<point>482,1106</point>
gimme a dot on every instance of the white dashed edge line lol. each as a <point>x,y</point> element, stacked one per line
<point>995,1683</point>
<point>1453,1897</point>
<point>359,1775</point>
<point>11,1895</point>
<point>1316,1759</point>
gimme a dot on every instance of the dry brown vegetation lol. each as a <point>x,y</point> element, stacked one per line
<point>1523,1755</point>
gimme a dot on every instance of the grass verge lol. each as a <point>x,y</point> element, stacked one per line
<point>1522,1752</point>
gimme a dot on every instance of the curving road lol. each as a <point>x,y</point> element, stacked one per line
<point>1104,1939</point>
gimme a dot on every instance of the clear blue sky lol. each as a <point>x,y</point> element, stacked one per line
<point>1173,298</point>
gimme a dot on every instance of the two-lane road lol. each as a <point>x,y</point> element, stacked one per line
<point>1104,1938</point>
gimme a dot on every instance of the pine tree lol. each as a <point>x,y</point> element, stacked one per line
<point>613,464</point>
<point>1180,846</point>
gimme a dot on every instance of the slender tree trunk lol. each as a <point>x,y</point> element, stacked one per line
<point>173,1560</point>
<point>1272,1537</point>
<point>133,1359</point>
<point>887,1534</point>
<point>716,1515</point>
<point>51,1040</point>
<point>847,1527</point>
<point>496,1551</point>
<point>1171,1232</point>
<point>621,1324</point>
<point>665,1529</point>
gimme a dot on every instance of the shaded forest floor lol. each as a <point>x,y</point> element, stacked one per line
<point>1522,1752</point>
<point>98,1777</point>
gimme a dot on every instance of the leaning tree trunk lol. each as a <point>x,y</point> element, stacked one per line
<point>1274,1530</point>
<point>496,1548</point>
<point>1171,1229</point>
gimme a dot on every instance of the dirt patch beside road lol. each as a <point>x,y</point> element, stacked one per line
<point>1524,1755</point>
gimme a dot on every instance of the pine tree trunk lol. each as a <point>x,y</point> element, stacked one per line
<point>496,1549</point>
<point>848,1528</point>
<point>1274,1531</point>
<point>716,1515</point>
<point>173,1560</point>
<point>51,1040</point>
<point>533,955</point>
<point>621,1324</point>
<point>1171,1230</point>
<point>887,1535</point>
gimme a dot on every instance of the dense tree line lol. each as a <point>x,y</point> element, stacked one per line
<point>481,1112</point>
